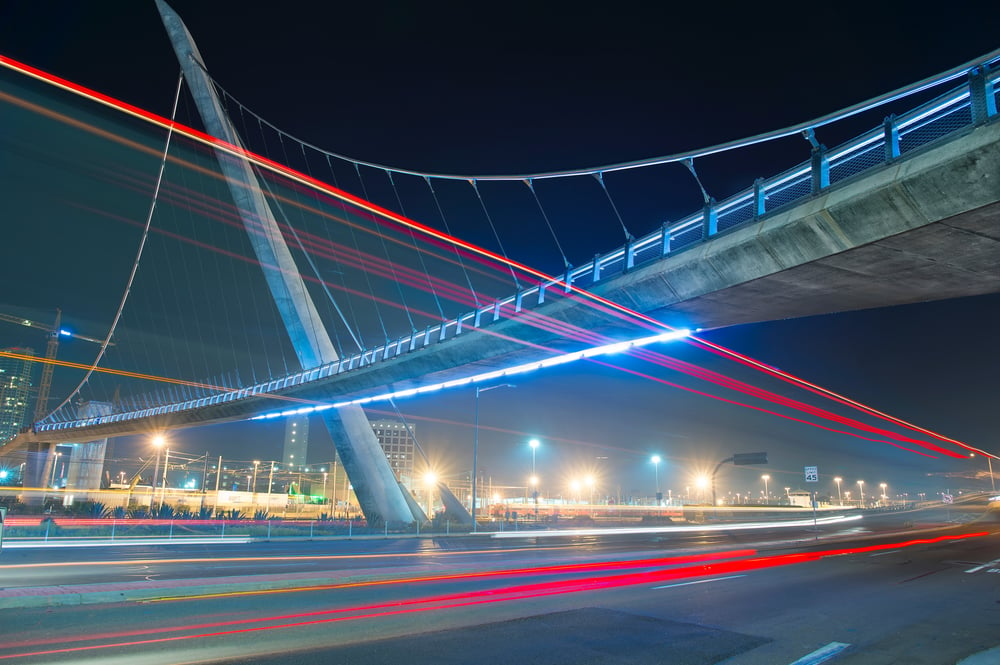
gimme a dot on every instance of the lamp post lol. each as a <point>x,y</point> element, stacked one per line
<point>534,478</point>
<point>765,478</point>
<point>861,488</point>
<point>882,486</point>
<point>253,495</point>
<point>475,451</point>
<point>158,443</point>
<point>989,462</point>
<point>55,463</point>
<point>655,459</point>
<point>840,497</point>
<point>533,481</point>
<point>270,482</point>
<point>430,479</point>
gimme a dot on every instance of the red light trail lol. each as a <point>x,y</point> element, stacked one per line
<point>711,565</point>
<point>437,238</point>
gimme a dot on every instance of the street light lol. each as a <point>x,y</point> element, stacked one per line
<point>534,492</point>
<point>840,497</point>
<point>989,461</point>
<point>534,446</point>
<point>55,463</point>
<point>884,497</point>
<point>475,452</point>
<point>430,479</point>
<point>534,479</point>
<point>765,478</point>
<point>861,488</point>
<point>655,459</point>
<point>158,442</point>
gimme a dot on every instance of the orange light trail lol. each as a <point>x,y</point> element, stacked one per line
<point>466,599</point>
<point>383,213</point>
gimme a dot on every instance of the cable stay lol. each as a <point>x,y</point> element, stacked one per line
<point>413,240</point>
<point>489,218</point>
<point>447,229</point>
<point>531,185</point>
<point>599,176</point>
<point>135,262</point>
<point>392,267</point>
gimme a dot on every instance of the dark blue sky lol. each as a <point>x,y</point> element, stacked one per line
<point>520,88</point>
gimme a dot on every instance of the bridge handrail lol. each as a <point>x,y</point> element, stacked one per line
<point>986,61</point>
<point>971,104</point>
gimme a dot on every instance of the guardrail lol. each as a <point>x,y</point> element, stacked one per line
<point>972,104</point>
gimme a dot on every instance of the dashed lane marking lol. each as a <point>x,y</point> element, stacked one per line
<point>985,565</point>
<point>714,579</point>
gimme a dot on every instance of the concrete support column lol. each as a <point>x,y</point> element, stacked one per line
<point>365,463</point>
<point>86,462</point>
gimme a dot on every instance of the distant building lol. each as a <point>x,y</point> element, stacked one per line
<point>15,389</point>
<point>296,441</point>
<point>398,446</point>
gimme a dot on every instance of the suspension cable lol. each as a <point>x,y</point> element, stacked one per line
<point>600,178</point>
<point>392,266</point>
<point>503,252</point>
<point>531,185</point>
<point>447,229</point>
<point>138,255</point>
<point>420,254</point>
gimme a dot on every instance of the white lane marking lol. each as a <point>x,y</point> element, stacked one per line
<point>985,565</point>
<point>883,553</point>
<point>714,579</point>
<point>822,654</point>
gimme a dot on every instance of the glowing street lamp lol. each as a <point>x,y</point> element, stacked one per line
<point>702,482</point>
<point>158,442</point>
<point>840,497</point>
<point>861,488</point>
<point>430,480</point>
<point>882,486</point>
<point>765,478</point>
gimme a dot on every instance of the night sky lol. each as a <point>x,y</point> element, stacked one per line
<point>520,88</point>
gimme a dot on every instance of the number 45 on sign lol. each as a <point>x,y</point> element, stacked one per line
<point>812,475</point>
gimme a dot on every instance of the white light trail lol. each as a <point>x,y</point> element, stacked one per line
<point>603,350</point>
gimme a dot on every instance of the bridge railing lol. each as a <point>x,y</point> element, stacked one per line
<point>971,104</point>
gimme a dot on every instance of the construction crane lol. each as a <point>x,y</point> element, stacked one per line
<point>53,332</point>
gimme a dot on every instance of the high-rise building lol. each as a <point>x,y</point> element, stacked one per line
<point>398,446</point>
<point>296,441</point>
<point>15,388</point>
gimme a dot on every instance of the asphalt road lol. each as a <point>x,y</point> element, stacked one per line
<point>862,591</point>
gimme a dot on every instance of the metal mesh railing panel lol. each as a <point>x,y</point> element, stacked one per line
<point>934,128</point>
<point>736,215</point>
<point>857,162</point>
